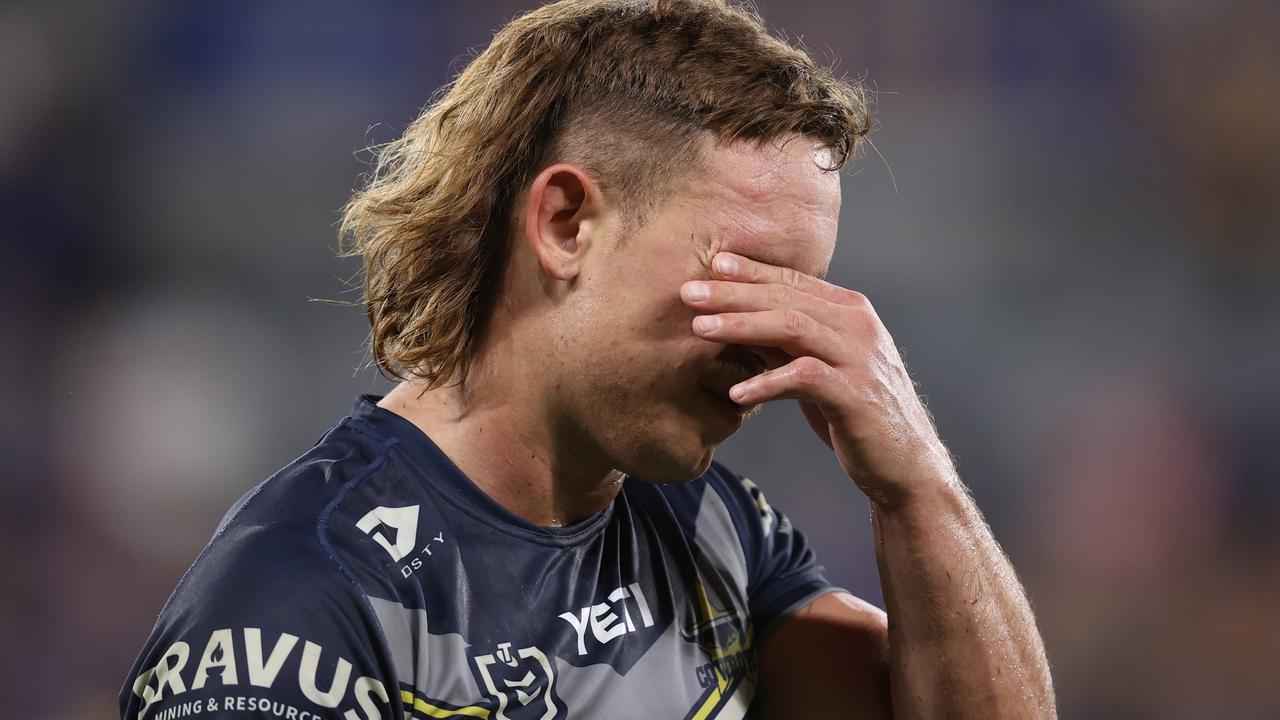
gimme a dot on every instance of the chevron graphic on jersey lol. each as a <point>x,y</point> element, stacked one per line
<point>403,522</point>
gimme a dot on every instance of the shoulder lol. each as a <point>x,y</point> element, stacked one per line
<point>723,500</point>
<point>735,524</point>
<point>343,509</point>
<point>721,517</point>
<point>279,597</point>
<point>288,528</point>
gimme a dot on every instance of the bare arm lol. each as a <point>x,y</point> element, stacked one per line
<point>829,660</point>
<point>962,641</point>
<point>958,641</point>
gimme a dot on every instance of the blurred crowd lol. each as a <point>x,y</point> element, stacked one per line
<point>1070,220</point>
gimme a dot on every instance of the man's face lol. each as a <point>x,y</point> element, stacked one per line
<point>651,394</point>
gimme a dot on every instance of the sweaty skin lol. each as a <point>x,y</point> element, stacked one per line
<point>962,640</point>
<point>615,349</point>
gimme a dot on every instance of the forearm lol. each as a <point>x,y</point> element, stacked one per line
<point>962,638</point>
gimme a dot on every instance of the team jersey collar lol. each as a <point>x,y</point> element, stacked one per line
<point>439,470</point>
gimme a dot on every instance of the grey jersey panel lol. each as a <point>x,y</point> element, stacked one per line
<point>371,579</point>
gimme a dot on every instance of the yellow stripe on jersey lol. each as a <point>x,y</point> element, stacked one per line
<point>719,696</point>
<point>713,700</point>
<point>422,706</point>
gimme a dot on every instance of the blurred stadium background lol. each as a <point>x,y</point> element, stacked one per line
<point>1074,232</point>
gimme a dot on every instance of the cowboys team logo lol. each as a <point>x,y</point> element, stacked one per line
<point>714,624</point>
<point>717,631</point>
<point>522,682</point>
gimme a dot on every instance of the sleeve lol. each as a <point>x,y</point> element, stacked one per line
<point>264,624</point>
<point>783,574</point>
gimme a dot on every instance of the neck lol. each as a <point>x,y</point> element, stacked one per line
<point>497,429</point>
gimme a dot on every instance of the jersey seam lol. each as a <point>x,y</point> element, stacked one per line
<point>784,584</point>
<point>364,427</point>
<point>753,566</point>
<point>323,521</point>
<point>226,521</point>
<point>792,608</point>
<point>322,535</point>
<point>788,584</point>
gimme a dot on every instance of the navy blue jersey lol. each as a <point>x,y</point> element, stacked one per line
<point>372,579</point>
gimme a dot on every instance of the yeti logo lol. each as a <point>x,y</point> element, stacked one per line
<point>524,676</point>
<point>395,529</point>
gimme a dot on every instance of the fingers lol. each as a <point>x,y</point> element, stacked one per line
<point>787,329</point>
<point>763,305</point>
<point>731,266</point>
<point>719,296</point>
<point>805,378</point>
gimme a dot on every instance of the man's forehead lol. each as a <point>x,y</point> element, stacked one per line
<point>773,204</point>
<point>791,236</point>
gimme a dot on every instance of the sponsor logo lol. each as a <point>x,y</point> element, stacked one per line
<point>254,665</point>
<point>602,618</point>
<point>414,564</point>
<point>395,529</point>
<point>522,681</point>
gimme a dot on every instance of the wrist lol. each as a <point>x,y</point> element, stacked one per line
<point>933,492</point>
<point>927,475</point>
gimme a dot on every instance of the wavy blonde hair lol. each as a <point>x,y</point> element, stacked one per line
<point>625,88</point>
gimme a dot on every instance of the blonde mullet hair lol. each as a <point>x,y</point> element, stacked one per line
<point>626,88</point>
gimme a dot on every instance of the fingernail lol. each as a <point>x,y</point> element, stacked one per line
<point>697,291</point>
<point>726,264</point>
<point>707,323</point>
<point>737,392</point>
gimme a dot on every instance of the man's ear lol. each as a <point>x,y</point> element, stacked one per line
<point>561,205</point>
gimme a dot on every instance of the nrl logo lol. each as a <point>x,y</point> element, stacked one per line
<point>521,680</point>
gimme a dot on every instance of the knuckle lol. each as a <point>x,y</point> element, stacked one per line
<point>809,370</point>
<point>779,295</point>
<point>858,298</point>
<point>871,322</point>
<point>862,320</point>
<point>794,322</point>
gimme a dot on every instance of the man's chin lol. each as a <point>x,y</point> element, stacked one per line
<point>684,452</point>
<point>669,468</point>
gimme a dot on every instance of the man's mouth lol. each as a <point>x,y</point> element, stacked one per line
<point>735,365</point>
<point>721,399</point>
